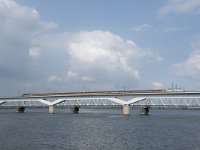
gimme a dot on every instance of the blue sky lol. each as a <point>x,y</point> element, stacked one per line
<point>73,45</point>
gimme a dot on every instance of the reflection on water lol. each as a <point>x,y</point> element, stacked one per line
<point>99,129</point>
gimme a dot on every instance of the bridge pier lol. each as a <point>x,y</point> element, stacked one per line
<point>74,109</point>
<point>20,109</point>
<point>51,109</point>
<point>126,109</point>
<point>144,110</point>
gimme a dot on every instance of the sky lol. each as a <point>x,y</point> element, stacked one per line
<point>92,45</point>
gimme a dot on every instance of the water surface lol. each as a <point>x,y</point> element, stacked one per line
<point>99,129</point>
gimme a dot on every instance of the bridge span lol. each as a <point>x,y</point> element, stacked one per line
<point>144,99</point>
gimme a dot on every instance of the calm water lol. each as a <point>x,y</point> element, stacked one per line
<point>99,129</point>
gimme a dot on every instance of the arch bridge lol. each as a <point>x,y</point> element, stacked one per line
<point>144,99</point>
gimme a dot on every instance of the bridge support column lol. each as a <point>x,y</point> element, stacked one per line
<point>126,109</point>
<point>51,109</point>
<point>20,109</point>
<point>144,110</point>
<point>74,109</point>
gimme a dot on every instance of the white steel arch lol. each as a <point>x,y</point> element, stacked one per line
<point>136,99</point>
<point>112,99</point>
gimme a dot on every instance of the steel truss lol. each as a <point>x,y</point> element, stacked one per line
<point>192,101</point>
<point>167,101</point>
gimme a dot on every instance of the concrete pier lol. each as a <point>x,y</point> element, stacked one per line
<point>74,109</point>
<point>51,109</point>
<point>126,109</point>
<point>144,110</point>
<point>20,109</point>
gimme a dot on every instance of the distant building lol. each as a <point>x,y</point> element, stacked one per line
<point>175,90</point>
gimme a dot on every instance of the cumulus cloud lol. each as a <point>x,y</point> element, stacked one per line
<point>179,7</point>
<point>103,57</point>
<point>191,66</point>
<point>143,27</point>
<point>102,50</point>
<point>20,19</point>
<point>19,26</point>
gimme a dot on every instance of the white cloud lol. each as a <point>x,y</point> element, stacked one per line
<point>99,50</point>
<point>54,78</point>
<point>143,27</point>
<point>18,20</point>
<point>19,27</point>
<point>104,57</point>
<point>34,52</point>
<point>180,6</point>
<point>157,85</point>
<point>191,66</point>
<point>72,75</point>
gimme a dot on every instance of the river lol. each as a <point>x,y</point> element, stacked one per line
<point>99,129</point>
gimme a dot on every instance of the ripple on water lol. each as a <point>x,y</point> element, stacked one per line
<point>99,130</point>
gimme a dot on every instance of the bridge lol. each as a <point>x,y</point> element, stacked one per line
<point>125,99</point>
